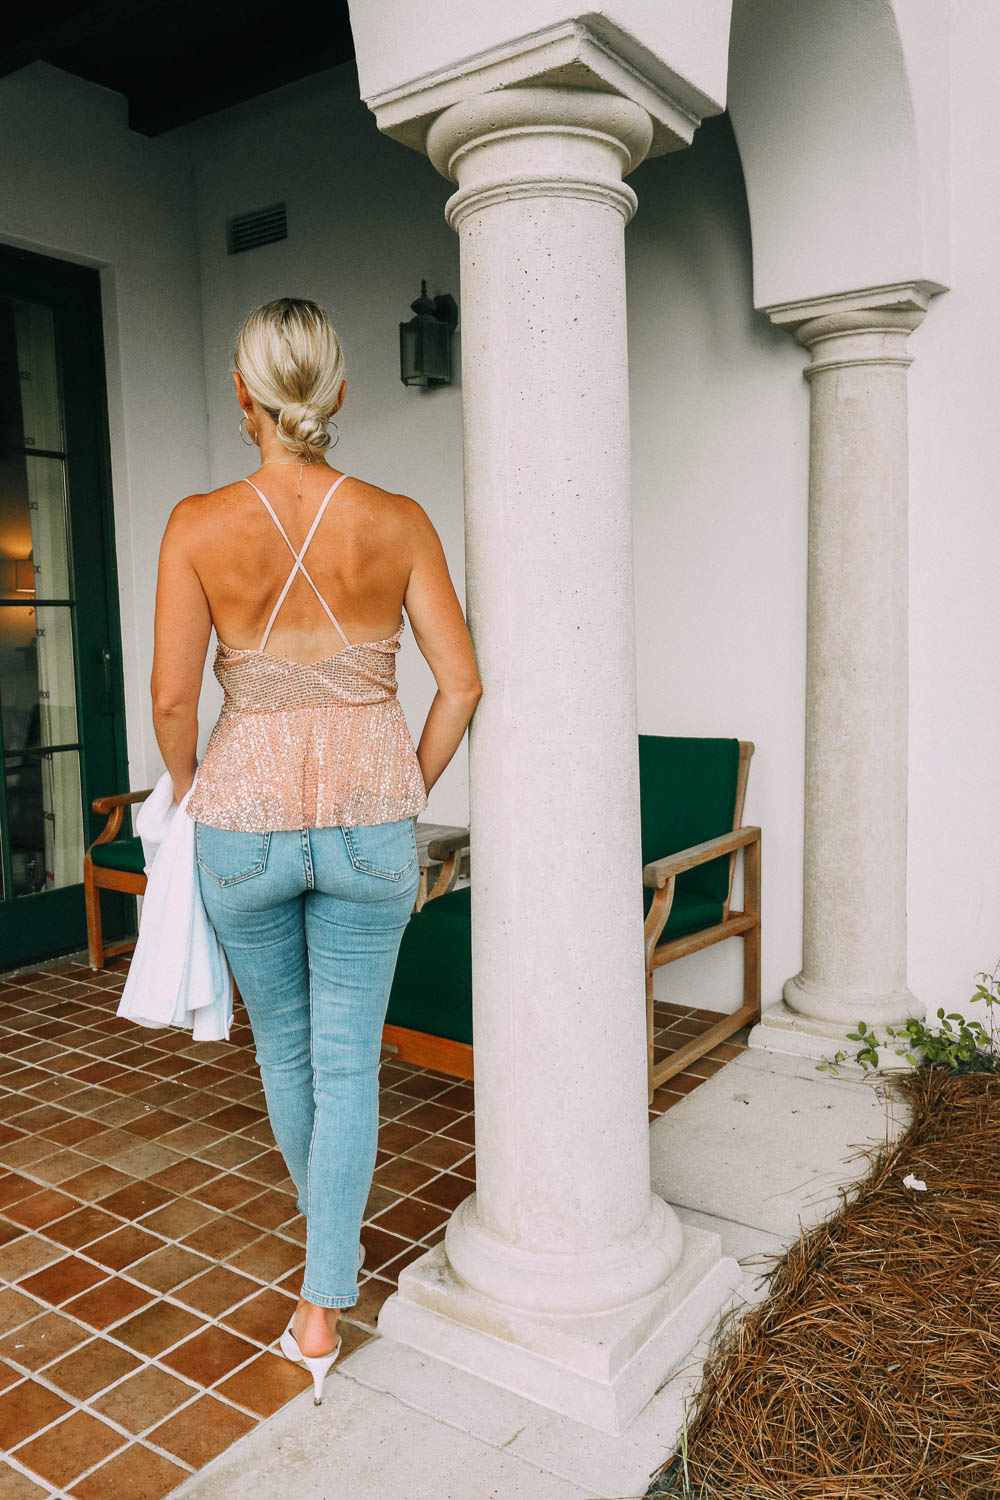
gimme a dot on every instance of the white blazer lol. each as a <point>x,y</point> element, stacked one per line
<point>179,975</point>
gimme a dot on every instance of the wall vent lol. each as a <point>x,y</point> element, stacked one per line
<point>262,227</point>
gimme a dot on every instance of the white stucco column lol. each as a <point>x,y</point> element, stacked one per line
<point>854,918</point>
<point>563,1163</point>
<point>563,1277</point>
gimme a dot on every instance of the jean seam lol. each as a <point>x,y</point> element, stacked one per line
<point>312,1064</point>
<point>317,1301</point>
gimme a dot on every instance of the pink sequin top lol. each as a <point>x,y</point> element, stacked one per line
<point>308,744</point>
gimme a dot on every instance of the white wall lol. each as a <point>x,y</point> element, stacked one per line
<point>399,41</point>
<point>842,131</point>
<point>78,184</point>
<point>954,828</point>
<point>720,414</point>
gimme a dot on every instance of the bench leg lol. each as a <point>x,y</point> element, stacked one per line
<point>751,939</point>
<point>92,902</point>
<point>649,1034</point>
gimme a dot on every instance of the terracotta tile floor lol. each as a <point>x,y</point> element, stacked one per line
<point>150,1247</point>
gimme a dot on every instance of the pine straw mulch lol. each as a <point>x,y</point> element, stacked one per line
<point>872,1370</point>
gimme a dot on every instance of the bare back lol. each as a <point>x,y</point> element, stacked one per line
<point>359,559</point>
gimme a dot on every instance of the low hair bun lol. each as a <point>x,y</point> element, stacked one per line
<point>302,427</point>
<point>290,357</point>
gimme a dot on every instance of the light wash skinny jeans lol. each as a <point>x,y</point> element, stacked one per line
<point>311,921</point>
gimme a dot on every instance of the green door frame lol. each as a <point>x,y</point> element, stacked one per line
<point>47,923</point>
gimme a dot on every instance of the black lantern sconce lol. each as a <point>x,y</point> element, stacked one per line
<point>425,341</point>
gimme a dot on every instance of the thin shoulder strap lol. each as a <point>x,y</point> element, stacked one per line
<point>298,566</point>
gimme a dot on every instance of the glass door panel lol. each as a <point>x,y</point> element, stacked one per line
<point>58,615</point>
<point>44,821</point>
<point>37,681</point>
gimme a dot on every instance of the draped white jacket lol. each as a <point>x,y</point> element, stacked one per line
<point>179,975</point>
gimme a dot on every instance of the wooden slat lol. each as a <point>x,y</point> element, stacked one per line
<point>699,1045</point>
<point>112,950</point>
<point>426,1051</point>
<point>106,879</point>
<point>751,943</point>
<point>736,922</point>
<point>742,777</point>
<point>658,871</point>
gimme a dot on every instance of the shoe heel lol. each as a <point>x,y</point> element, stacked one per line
<point>317,1365</point>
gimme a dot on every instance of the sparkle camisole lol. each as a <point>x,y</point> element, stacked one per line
<point>307,744</point>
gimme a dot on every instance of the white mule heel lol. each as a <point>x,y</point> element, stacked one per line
<point>317,1364</point>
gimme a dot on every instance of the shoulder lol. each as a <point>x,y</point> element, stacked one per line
<point>195,514</point>
<point>401,513</point>
<point>399,519</point>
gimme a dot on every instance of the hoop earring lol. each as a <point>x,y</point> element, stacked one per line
<point>337,431</point>
<point>251,442</point>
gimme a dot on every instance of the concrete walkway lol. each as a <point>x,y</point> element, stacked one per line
<point>754,1151</point>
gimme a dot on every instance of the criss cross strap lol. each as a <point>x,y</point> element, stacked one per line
<point>298,566</point>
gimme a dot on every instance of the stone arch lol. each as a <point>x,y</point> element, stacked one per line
<point>840,115</point>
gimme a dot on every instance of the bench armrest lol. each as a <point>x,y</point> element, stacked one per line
<point>449,843</point>
<point>449,849</point>
<point>659,871</point>
<point>120,799</point>
<point>115,807</point>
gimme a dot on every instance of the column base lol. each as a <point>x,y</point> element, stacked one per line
<point>842,1008</point>
<point>599,1369</point>
<point>782,1029</point>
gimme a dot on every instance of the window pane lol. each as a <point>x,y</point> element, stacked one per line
<point>33,408</point>
<point>37,681</point>
<point>44,821</point>
<point>34,544</point>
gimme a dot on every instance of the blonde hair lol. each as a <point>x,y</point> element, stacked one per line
<point>289,355</point>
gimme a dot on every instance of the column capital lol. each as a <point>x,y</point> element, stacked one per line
<point>541,142</point>
<point>868,327</point>
<point>570,54</point>
<point>902,296</point>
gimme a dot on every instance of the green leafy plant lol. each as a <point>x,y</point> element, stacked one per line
<point>957,1044</point>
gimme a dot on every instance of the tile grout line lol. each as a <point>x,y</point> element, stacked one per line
<point>97,1036</point>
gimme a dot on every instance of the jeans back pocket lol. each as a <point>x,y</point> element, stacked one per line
<point>388,850</point>
<point>227,857</point>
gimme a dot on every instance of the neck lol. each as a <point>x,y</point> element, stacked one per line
<point>273,450</point>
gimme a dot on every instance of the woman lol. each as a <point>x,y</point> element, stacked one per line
<point>306,796</point>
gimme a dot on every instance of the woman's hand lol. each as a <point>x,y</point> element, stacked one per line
<point>442,635</point>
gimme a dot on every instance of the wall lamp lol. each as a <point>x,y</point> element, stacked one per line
<point>425,341</point>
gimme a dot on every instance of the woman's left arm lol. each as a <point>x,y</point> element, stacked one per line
<point>181,630</point>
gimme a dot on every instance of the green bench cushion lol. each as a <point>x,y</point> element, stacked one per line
<point>708,770</point>
<point>432,986</point>
<point>120,854</point>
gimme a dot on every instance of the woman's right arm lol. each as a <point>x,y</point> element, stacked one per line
<point>442,635</point>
